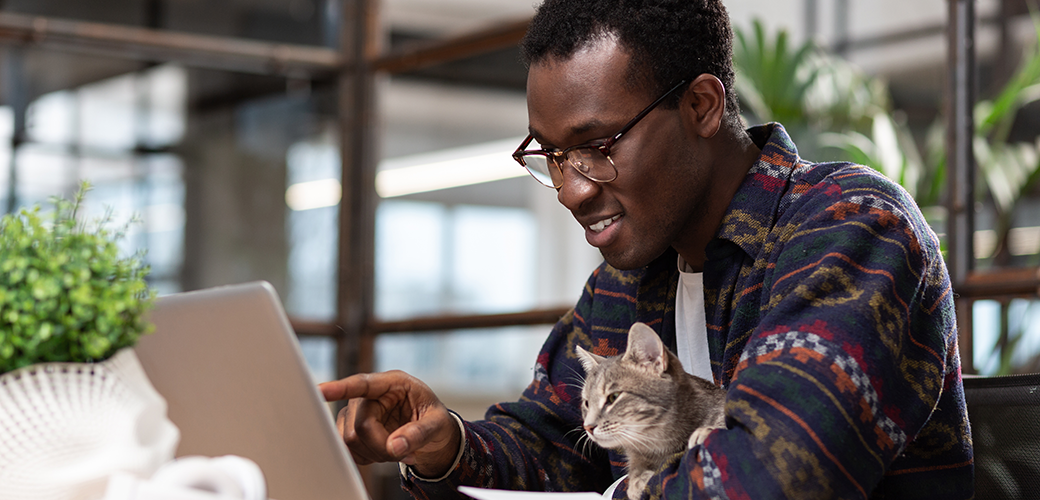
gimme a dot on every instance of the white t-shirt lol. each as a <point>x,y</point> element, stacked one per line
<point>691,333</point>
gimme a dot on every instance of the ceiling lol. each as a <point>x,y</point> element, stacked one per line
<point>917,79</point>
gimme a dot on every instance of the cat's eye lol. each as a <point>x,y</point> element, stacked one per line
<point>612,397</point>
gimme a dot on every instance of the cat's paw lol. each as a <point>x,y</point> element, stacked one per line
<point>699,436</point>
<point>637,483</point>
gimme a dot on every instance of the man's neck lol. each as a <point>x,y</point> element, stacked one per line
<point>733,168</point>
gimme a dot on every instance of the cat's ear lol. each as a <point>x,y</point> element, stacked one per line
<point>588,360</point>
<point>646,349</point>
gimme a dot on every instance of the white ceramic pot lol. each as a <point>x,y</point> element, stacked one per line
<point>65,428</point>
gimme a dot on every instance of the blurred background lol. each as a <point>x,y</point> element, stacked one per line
<point>355,154</point>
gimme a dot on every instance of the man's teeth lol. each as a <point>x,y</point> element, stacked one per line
<point>601,225</point>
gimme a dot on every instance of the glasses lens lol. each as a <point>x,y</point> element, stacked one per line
<point>541,168</point>
<point>592,163</point>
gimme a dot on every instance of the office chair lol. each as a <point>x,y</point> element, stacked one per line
<point>1005,427</point>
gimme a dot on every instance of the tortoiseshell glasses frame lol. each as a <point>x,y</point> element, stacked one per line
<point>591,159</point>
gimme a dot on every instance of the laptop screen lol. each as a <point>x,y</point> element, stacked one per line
<point>230,367</point>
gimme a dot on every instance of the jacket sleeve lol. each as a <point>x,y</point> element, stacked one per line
<point>855,343</point>
<point>535,443</point>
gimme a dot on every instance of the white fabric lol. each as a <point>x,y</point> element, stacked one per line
<point>228,477</point>
<point>691,333</point>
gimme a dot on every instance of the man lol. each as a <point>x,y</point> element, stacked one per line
<point>816,292</point>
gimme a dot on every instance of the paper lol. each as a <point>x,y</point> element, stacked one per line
<point>482,494</point>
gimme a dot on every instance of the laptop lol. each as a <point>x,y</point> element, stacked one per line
<point>229,365</point>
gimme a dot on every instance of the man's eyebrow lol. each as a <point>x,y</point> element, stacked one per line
<point>575,130</point>
<point>538,137</point>
<point>587,126</point>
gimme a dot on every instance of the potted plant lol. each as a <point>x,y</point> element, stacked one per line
<point>75,404</point>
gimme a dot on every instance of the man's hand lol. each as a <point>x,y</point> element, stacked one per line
<point>395,417</point>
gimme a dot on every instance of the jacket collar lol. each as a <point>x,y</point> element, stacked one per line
<point>753,211</point>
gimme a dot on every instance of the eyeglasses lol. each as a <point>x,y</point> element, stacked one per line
<point>590,159</point>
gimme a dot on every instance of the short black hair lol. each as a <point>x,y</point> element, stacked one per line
<point>673,39</point>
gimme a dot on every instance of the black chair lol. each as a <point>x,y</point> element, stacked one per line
<point>1005,427</point>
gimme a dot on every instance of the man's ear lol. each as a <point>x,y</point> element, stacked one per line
<point>704,105</point>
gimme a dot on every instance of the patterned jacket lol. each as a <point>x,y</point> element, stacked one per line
<point>830,321</point>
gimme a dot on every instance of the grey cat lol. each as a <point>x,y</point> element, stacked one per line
<point>644,404</point>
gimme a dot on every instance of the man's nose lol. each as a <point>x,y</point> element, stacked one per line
<point>576,188</point>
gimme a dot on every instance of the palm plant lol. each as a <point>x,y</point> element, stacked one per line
<point>1009,169</point>
<point>805,88</point>
<point>772,80</point>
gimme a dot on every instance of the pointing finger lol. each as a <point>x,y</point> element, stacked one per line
<point>362,385</point>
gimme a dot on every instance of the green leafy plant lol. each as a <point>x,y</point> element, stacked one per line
<point>773,79</point>
<point>66,293</point>
<point>1009,168</point>
<point>803,87</point>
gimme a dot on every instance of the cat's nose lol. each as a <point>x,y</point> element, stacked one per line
<point>589,428</point>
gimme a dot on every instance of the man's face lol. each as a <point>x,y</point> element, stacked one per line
<point>662,183</point>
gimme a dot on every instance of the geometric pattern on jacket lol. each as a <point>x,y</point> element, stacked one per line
<point>830,321</point>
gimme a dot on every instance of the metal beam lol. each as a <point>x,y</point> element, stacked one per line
<point>16,95</point>
<point>360,40</point>
<point>1001,284</point>
<point>153,45</point>
<point>960,161</point>
<point>442,323</point>
<point>315,328</point>
<point>841,28</point>
<point>435,324</point>
<point>425,54</point>
<point>236,54</point>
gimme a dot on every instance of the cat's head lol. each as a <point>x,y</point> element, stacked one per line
<point>626,399</point>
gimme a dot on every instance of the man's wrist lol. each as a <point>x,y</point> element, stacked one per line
<point>415,473</point>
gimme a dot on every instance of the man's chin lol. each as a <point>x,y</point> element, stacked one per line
<point>625,261</point>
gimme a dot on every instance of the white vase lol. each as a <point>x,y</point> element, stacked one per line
<point>65,428</point>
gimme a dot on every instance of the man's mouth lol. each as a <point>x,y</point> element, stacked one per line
<point>601,225</point>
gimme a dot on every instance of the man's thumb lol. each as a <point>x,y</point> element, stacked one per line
<point>398,448</point>
<point>407,439</point>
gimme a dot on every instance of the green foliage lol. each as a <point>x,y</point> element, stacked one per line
<point>805,88</point>
<point>65,292</point>
<point>890,148</point>
<point>1009,169</point>
<point>825,101</point>
<point>772,80</point>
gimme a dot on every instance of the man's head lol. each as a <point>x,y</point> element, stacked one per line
<point>668,40</point>
<point>638,173</point>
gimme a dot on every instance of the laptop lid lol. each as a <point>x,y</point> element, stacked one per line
<point>230,367</point>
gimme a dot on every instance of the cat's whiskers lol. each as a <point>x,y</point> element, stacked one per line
<point>586,448</point>
<point>584,442</point>
<point>577,379</point>
<point>582,436</point>
<point>635,441</point>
